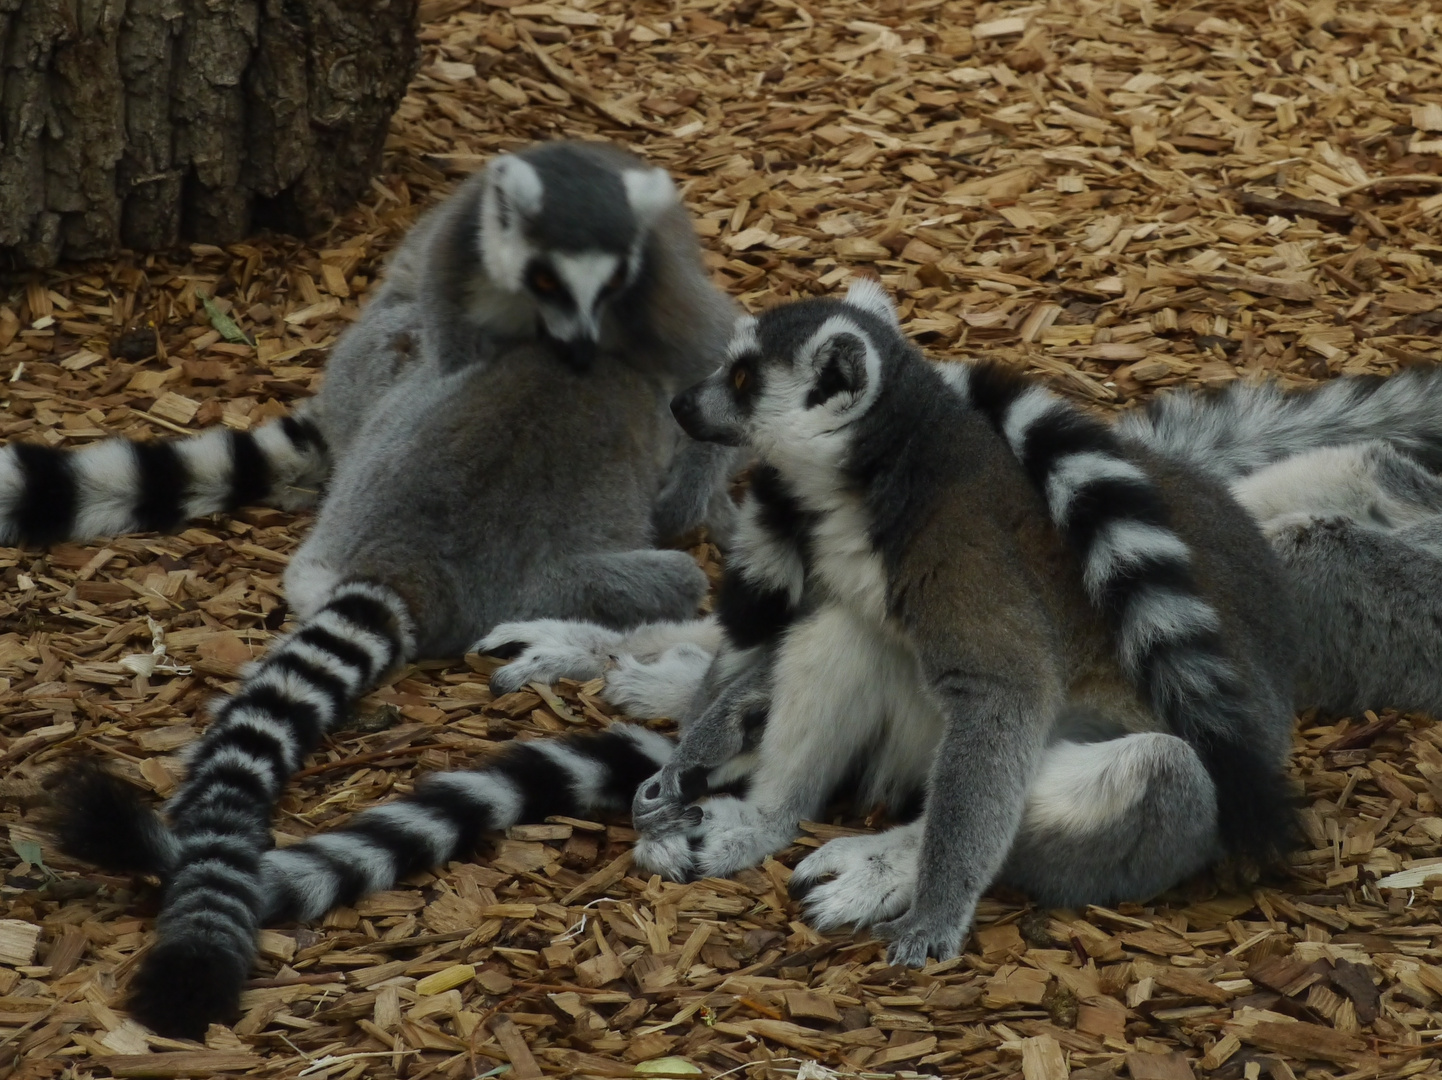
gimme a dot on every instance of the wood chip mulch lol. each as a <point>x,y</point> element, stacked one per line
<point>1120,195</point>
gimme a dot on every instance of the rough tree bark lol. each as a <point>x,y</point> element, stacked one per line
<point>140,123</point>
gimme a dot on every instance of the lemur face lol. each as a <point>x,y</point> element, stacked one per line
<point>569,234</point>
<point>795,377</point>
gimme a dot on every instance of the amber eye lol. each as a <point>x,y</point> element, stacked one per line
<point>543,281</point>
<point>740,377</point>
<point>616,280</point>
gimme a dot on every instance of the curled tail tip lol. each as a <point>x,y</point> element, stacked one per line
<point>98,818</point>
<point>183,987</point>
<point>1258,814</point>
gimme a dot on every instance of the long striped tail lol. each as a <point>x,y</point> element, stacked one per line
<point>1138,571</point>
<point>1249,425</point>
<point>446,815</point>
<point>117,486</point>
<point>220,817</point>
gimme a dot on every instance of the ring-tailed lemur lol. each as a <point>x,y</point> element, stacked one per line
<point>577,245</point>
<point>479,502</point>
<point>523,486</point>
<point>1077,652</point>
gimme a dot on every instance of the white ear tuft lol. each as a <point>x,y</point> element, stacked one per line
<point>868,295</point>
<point>518,183</point>
<point>650,193</point>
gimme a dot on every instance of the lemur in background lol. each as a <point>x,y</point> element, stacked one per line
<point>577,245</point>
<point>515,465</point>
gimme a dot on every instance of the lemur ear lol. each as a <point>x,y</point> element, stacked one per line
<point>650,193</point>
<point>840,366</point>
<point>868,295</point>
<point>511,194</point>
<point>515,189</point>
<point>743,338</point>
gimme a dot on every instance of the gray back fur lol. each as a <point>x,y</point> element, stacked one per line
<point>495,493</point>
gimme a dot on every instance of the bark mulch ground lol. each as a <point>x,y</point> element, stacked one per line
<point>1120,196</point>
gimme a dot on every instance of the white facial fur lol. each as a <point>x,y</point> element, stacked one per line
<point>650,193</point>
<point>584,274</point>
<point>513,191</point>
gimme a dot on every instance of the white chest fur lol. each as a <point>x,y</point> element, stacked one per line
<point>844,561</point>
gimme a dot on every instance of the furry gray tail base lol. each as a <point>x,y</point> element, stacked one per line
<point>444,818</point>
<point>1247,426</point>
<point>119,486</point>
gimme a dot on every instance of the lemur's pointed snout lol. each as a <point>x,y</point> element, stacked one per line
<point>694,411</point>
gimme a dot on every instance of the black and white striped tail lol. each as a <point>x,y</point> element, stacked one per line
<point>220,817</point>
<point>1139,571</point>
<point>446,815</point>
<point>118,486</point>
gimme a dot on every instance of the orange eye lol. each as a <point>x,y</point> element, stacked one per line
<point>740,377</point>
<point>543,281</point>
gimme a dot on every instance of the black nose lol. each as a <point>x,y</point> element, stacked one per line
<point>683,408</point>
<point>580,353</point>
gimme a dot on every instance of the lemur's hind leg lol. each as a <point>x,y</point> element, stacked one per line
<point>1117,820</point>
<point>859,880</point>
<point>1123,819</point>
<point>1369,482</point>
<point>620,589</point>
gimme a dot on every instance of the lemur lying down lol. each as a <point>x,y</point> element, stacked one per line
<point>1070,645</point>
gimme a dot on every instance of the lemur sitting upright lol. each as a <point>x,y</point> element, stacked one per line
<point>502,449</point>
<point>1364,528</point>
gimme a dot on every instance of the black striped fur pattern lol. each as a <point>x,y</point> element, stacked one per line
<point>445,817</point>
<point>1139,572</point>
<point>219,819</point>
<point>117,486</point>
<point>763,582</point>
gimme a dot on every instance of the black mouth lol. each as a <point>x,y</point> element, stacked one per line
<point>578,354</point>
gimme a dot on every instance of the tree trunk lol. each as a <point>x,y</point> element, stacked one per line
<point>140,123</point>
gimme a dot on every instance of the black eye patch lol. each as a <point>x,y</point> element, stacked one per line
<point>743,378</point>
<point>545,284</point>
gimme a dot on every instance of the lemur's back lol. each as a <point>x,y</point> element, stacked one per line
<point>434,501</point>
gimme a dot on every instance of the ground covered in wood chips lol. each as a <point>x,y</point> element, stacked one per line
<point>1120,196</point>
